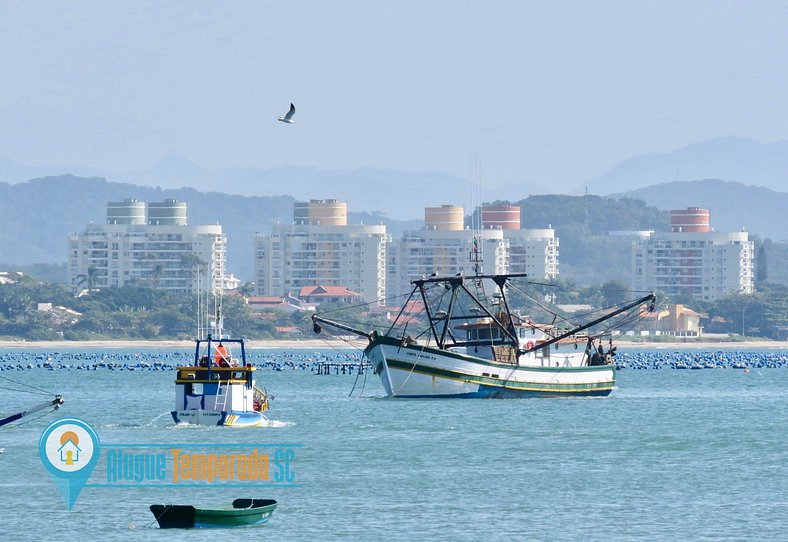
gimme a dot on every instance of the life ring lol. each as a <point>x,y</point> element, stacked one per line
<point>529,345</point>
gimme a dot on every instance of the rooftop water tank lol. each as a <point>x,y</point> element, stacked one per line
<point>691,219</point>
<point>128,211</point>
<point>170,212</point>
<point>444,218</point>
<point>503,217</point>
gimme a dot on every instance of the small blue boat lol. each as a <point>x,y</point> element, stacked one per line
<point>219,387</point>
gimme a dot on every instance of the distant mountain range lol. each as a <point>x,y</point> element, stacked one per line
<point>732,205</point>
<point>395,193</point>
<point>730,158</point>
<point>405,193</point>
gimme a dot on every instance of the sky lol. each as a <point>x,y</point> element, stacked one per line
<point>550,93</point>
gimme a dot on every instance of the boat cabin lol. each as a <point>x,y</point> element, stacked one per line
<point>218,380</point>
<point>489,341</point>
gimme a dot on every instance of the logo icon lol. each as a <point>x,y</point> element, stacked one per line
<point>69,449</point>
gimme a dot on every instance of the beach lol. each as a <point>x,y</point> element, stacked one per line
<point>313,344</point>
<point>132,344</point>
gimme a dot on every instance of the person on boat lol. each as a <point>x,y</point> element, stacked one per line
<point>221,357</point>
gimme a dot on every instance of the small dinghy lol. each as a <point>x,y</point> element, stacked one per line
<point>243,512</point>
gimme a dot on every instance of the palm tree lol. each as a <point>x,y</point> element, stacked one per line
<point>155,274</point>
<point>90,279</point>
<point>191,264</point>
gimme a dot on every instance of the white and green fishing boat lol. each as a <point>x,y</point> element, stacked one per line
<point>467,342</point>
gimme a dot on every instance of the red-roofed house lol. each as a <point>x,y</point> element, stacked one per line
<point>333,294</point>
<point>263,303</point>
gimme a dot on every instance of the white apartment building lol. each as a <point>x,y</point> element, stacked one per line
<point>321,248</point>
<point>693,259</point>
<point>443,247</point>
<point>150,244</point>
<point>533,251</point>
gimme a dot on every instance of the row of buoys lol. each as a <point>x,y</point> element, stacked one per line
<point>733,359</point>
<point>324,363</point>
<point>316,362</point>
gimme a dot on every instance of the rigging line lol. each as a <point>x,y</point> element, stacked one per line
<point>541,306</point>
<point>411,370</point>
<point>617,323</point>
<point>26,391</point>
<point>360,368</point>
<point>633,319</point>
<point>608,308</point>
<point>355,382</point>
<point>339,337</point>
<point>155,519</point>
<point>46,413</point>
<point>364,382</point>
<point>600,311</point>
<point>27,386</point>
<point>628,321</point>
<point>366,303</point>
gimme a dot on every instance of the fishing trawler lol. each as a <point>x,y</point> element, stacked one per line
<point>219,387</point>
<point>467,342</point>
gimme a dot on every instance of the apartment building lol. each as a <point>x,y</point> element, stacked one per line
<point>149,244</point>
<point>320,248</point>
<point>531,251</point>
<point>445,247</point>
<point>693,259</point>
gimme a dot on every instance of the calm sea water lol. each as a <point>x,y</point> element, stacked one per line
<point>670,455</point>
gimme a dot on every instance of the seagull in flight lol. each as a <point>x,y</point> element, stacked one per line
<point>288,118</point>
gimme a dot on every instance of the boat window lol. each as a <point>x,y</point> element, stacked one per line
<point>196,388</point>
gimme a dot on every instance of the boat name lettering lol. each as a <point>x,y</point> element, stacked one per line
<point>420,355</point>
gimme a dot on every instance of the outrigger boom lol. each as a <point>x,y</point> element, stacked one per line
<point>650,297</point>
<point>54,404</point>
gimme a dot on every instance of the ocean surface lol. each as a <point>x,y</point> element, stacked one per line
<point>669,455</point>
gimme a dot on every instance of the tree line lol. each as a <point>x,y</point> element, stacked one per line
<point>137,311</point>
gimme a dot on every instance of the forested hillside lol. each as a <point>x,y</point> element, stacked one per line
<point>587,255</point>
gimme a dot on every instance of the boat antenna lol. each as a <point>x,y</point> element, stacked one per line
<point>198,287</point>
<point>476,253</point>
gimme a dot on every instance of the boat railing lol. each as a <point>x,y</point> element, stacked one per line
<point>232,375</point>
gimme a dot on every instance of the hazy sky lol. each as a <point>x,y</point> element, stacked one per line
<point>540,92</point>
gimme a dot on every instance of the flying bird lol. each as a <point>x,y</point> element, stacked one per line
<point>288,118</point>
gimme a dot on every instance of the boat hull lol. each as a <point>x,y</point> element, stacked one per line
<point>420,371</point>
<point>174,516</point>
<point>212,417</point>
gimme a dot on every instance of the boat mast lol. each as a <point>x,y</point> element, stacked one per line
<point>476,255</point>
<point>456,283</point>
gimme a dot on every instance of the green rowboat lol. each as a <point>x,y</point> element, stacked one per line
<point>243,512</point>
